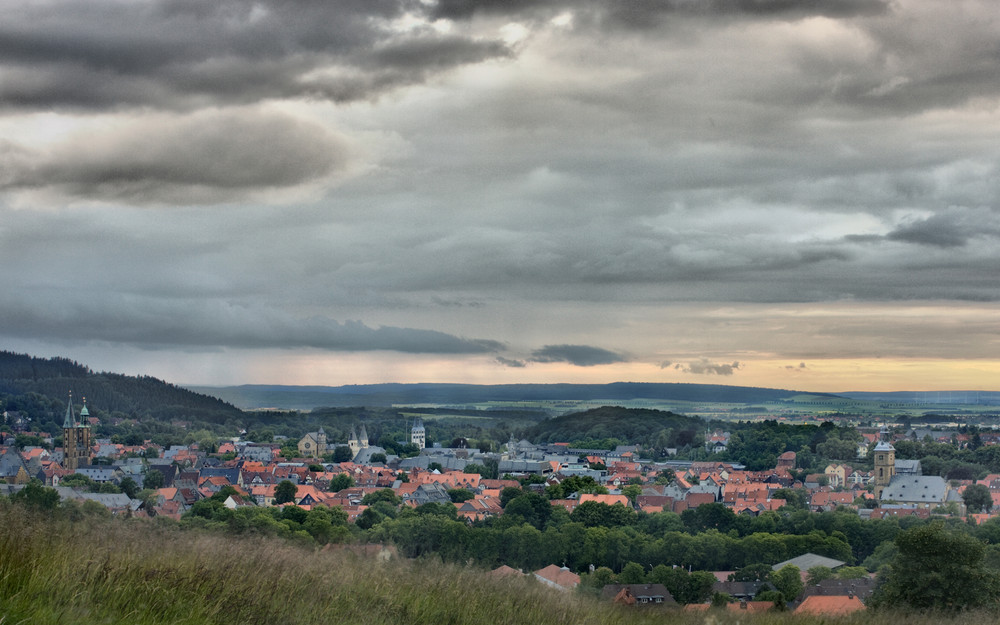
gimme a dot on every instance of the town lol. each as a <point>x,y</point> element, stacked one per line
<point>332,490</point>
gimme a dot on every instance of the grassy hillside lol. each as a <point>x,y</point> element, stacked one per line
<point>97,570</point>
<point>109,571</point>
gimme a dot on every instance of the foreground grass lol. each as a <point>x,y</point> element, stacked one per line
<point>90,570</point>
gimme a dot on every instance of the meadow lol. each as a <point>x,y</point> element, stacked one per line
<point>80,568</point>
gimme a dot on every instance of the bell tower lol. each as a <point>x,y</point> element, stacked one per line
<point>885,462</point>
<point>418,436</point>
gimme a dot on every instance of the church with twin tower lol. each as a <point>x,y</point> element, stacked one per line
<point>76,437</point>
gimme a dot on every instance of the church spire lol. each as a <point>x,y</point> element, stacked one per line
<point>70,420</point>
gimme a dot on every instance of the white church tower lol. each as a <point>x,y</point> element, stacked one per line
<point>417,434</point>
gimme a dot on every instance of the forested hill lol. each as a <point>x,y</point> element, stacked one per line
<point>307,397</point>
<point>36,382</point>
<point>651,428</point>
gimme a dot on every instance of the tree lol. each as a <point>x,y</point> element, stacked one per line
<point>129,487</point>
<point>795,498</point>
<point>508,493</point>
<point>458,495</point>
<point>752,573</point>
<point>383,494</point>
<point>788,581</point>
<point>369,518</point>
<point>937,569</point>
<point>977,498</point>
<point>378,458</point>
<point>342,453</point>
<point>437,509</point>
<point>284,492</point>
<point>772,595</point>
<point>632,491</point>
<point>708,516</point>
<point>851,572</point>
<point>532,507</point>
<point>225,493</point>
<point>720,599</point>
<point>153,479</point>
<point>632,573</point>
<point>35,495</point>
<point>666,476</point>
<point>76,479</point>
<point>340,482</point>
<point>601,577</point>
<point>817,574</point>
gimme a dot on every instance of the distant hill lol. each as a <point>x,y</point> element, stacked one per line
<point>969,398</point>
<point>308,397</point>
<point>631,424</point>
<point>24,377</point>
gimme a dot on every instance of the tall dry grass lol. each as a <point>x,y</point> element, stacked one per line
<point>95,570</point>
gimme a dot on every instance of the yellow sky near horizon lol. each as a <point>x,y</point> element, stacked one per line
<point>818,375</point>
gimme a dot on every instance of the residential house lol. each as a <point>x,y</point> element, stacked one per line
<point>837,474</point>
<point>638,594</point>
<point>560,578</point>
<point>786,461</point>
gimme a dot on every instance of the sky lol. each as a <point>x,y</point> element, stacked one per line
<point>784,193</point>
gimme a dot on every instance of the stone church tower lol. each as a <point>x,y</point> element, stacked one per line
<point>417,434</point>
<point>885,462</point>
<point>76,437</point>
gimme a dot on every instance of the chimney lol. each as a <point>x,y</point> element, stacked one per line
<point>743,604</point>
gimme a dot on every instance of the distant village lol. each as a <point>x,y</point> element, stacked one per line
<point>178,477</point>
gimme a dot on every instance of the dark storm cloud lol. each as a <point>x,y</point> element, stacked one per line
<point>579,355</point>
<point>167,53</point>
<point>938,231</point>
<point>954,227</point>
<point>204,157</point>
<point>643,13</point>
<point>160,323</point>
<point>464,9</point>
<point>706,367</point>
<point>646,14</point>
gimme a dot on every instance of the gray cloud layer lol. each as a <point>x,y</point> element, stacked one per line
<point>200,158</point>
<point>187,53</point>
<point>157,323</point>
<point>646,14</point>
<point>579,355</point>
<point>711,368</point>
<point>470,175</point>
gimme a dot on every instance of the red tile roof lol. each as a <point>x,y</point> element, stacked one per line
<point>834,605</point>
